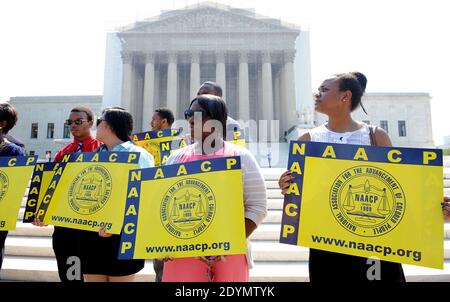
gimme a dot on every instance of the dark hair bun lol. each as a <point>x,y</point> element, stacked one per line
<point>361,79</point>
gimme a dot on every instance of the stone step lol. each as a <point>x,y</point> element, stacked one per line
<point>272,184</point>
<point>274,194</point>
<point>272,174</point>
<point>298,272</point>
<point>447,161</point>
<point>266,231</point>
<point>261,250</point>
<point>41,269</point>
<point>23,204</point>
<point>273,216</point>
<point>27,229</point>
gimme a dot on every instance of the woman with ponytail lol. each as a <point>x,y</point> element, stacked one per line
<point>338,97</point>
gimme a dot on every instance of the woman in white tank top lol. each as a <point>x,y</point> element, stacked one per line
<point>338,97</point>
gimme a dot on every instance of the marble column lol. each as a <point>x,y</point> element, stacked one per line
<point>195,74</point>
<point>244,98</point>
<point>289,102</point>
<point>172,83</point>
<point>276,96</point>
<point>220,72</point>
<point>149,87</point>
<point>267,90</point>
<point>127,81</point>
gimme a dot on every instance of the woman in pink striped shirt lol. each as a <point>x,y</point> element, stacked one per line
<point>208,114</point>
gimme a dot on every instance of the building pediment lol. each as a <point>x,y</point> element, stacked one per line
<point>209,20</point>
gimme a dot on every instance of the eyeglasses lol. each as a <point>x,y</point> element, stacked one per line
<point>99,120</point>
<point>76,122</point>
<point>188,113</point>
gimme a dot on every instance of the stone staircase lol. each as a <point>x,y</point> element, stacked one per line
<point>29,254</point>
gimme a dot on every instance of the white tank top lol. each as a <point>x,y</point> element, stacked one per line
<point>357,137</point>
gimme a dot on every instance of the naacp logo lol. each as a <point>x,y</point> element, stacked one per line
<point>153,149</point>
<point>4,184</point>
<point>367,201</point>
<point>90,190</point>
<point>188,208</point>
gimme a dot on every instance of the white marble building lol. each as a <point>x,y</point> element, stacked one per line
<point>41,125</point>
<point>263,65</point>
<point>446,142</point>
<point>405,116</point>
<point>254,58</point>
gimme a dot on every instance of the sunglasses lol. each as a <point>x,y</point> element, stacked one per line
<point>188,113</point>
<point>76,122</point>
<point>99,120</point>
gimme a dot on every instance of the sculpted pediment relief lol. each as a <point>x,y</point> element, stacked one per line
<point>208,20</point>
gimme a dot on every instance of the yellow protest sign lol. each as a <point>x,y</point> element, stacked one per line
<point>40,180</point>
<point>15,174</point>
<point>366,201</point>
<point>87,191</point>
<point>160,143</point>
<point>185,210</point>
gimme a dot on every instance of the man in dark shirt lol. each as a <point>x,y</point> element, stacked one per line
<point>66,241</point>
<point>162,119</point>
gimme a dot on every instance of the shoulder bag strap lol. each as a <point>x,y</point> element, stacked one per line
<point>372,129</point>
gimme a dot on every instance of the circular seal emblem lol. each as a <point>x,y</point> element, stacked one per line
<point>153,148</point>
<point>90,190</point>
<point>4,184</point>
<point>367,201</point>
<point>188,208</point>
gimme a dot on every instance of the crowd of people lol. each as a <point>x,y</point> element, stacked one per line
<point>337,97</point>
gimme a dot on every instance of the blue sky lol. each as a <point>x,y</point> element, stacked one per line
<point>52,47</point>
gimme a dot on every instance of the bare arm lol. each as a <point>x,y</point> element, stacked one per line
<point>382,138</point>
<point>250,226</point>
<point>305,137</point>
<point>446,208</point>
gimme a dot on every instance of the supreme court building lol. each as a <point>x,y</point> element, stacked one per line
<point>161,62</point>
<point>263,64</point>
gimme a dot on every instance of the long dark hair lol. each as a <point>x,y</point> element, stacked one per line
<point>120,121</point>
<point>356,82</point>
<point>215,108</point>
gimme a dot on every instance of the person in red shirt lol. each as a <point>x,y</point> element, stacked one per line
<point>65,240</point>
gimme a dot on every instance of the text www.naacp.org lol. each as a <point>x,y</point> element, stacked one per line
<point>2,223</point>
<point>93,224</point>
<point>225,246</point>
<point>384,250</point>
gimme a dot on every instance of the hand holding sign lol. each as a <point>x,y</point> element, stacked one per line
<point>446,208</point>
